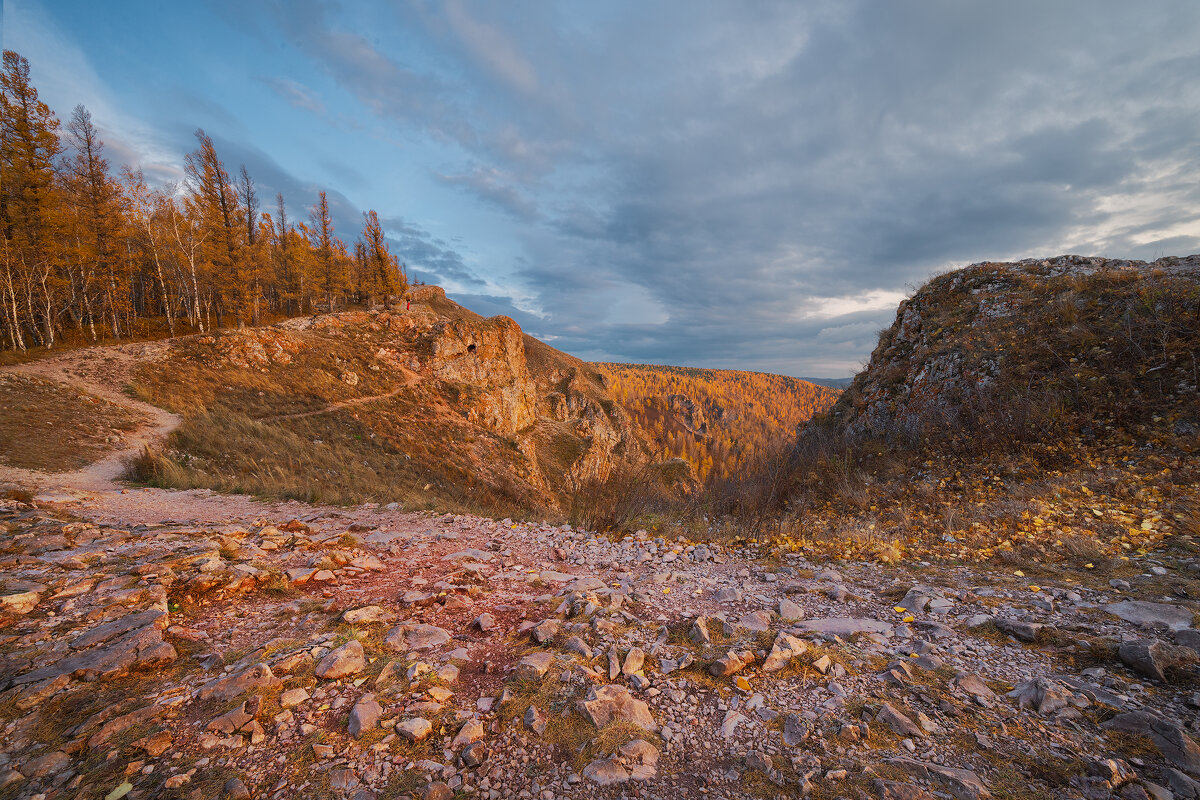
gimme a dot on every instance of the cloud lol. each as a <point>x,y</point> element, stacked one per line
<point>65,76</point>
<point>296,94</point>
<point>492,47</point>
<point>428,258</point>
<point>491,186</point>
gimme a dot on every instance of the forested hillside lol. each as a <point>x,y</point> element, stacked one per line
<point>715,419</point>
<point>91,252</point>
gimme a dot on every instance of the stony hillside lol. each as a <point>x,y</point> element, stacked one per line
<point>433,406</point>
<point>1036,411</point>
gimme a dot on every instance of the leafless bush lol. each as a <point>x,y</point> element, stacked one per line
<point>629,492</point>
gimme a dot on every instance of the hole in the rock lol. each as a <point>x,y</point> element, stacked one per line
<point>470,348</point>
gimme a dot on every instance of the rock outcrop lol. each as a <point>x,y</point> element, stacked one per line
<point>1003,343</point>
<point>489,355</point>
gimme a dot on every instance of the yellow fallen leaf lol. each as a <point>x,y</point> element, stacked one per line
<point>741,683</point>
<point>666,591</point>
<point>899,609</point>
<point>909,618</point>
<point>1019,574</point>
<point>1033,588</point>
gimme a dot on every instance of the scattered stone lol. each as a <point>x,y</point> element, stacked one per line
<point>293,697</point>
<point>789,611</point>
<point>253,679</point>
<point>961,783</point>
<point>845,627</point>
<point>614,703</point>
<point>1142,612</point>
<point>534,720</point>
<point>534,665</point>
<point>343,662</point>
<point>365,716</point>
<point>404,638</point>
<point>1019,629</point>
<point>785,648</point>
<point>634,660</point>
<point>366,616</point>
<point>730,664</point>
<point>545,630</point>
<point>471,731</point>
<point>236,790</point>
<point>606,772</point>
<point>1150,657</point>
<point>414,729</point>
<point>899,723</point>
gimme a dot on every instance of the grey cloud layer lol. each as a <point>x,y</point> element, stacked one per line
<point>726,167</point>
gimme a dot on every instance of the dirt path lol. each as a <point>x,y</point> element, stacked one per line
<point>410,378</point>
<point>103,372</point>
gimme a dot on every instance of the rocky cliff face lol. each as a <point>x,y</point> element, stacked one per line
<point>690,413</point>
<point>489,355</point>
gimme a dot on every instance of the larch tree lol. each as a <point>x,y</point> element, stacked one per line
<point>95,200</point>
<point>327,261</point>
<point>147,210</point>
<point>30,211</point>
<point>387,278</point>
<point>248,200</point>
<point>216,202</point>
<point>90,255</point>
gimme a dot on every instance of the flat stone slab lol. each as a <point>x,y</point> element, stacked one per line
<point>470,554</point>
<point>385,538</point>
<point>844,626</point>
<point>1142,612</point>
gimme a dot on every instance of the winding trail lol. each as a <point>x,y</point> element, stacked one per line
<point>103,372</point>
<point>410,378</point>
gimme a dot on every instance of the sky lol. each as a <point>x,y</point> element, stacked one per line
<point>722,184</point>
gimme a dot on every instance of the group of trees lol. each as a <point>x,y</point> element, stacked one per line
<point>746,413</point>
<point>88,254</point>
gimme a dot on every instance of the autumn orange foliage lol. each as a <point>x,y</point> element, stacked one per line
<point>718,420</point>
<point>89,255</point>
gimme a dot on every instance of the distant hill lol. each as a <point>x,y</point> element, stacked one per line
<point>832,383</point>
<point>713,418</point>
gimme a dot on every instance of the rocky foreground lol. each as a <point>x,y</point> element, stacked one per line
<point>295,651</point>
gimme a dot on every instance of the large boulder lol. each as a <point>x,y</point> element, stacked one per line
<point>1167,735</point>
<point>343,662</point>
<point>613,703</point>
